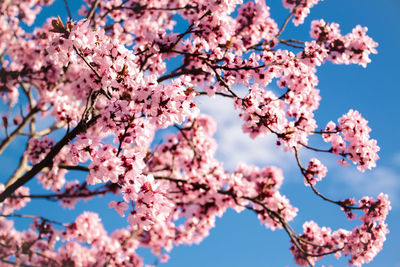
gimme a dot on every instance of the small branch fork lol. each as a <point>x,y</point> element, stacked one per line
<point>138,8</point>
<point>304,172</point>
<point>55,197</point>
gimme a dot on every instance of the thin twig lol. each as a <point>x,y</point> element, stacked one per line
<point>317,149</point>
<point>33,217</point>
<point>197,155</point>
<point>80,54</point>
<point>294,41</point>
<point>92,10</point>
<point>68,10</point>
<point>285,23</point>
<point>289,44</point>
<point>304,173</point>
<point>222,81</point>
<point>63,195</point>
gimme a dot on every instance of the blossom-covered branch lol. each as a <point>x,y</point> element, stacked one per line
<point>103,79</point>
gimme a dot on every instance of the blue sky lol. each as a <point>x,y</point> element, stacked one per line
<point>239,239</point>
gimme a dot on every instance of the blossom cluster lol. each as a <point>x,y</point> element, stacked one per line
<point>300,9</point>
<point>362,243</point>
<point>315,172</point>
<point>350,138</point>
<point>38,149</point>
<point>263,187</point>
<point>352,48</point>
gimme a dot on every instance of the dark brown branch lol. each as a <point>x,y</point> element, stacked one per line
<point>196,154</point>
<point>121,6</point>
<point>68,10</point>
<point>138,8</point>
<point>294,41</point>
<point>272,214</point>
<point>33,217</point>
<point>304,173</point>
<point>64,195</point>
<point>80,54</point>
<point>48,160</point>
<point>317,149</point>
<point>76,168</point>
<point>189,29</point>
<point>325,132</point>
<point>179,73</point>
<point>222,81</point>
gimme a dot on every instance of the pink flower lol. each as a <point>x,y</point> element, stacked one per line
<point>315,172</point>
<point>119,206</point>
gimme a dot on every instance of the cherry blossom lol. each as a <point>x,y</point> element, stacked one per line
<point>103,89</point>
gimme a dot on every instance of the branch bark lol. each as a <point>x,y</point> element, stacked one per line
<point>48,160</point>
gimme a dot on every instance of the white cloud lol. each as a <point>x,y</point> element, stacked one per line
<point>396,159</point>
<point>370,183</point>
<point>234,146</point>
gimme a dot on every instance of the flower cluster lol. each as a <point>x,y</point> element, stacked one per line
<point>105,166</point>
<point>353,48</point>
<point>261,187</point>
<point>362,243</point>
<point>264,113</point>
<point>12,204</point>
<point>151,205</point>
<point>38,149</point>
<point>300,9</point>
<point>253,24</point>
<point>315,172</point>
<point>350,138</point>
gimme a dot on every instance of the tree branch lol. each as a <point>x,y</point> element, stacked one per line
<point>92,10</point>
<point>304,172</point>
<point>18,130</point>
<point>33,217</point>
<point>76,168</point>
<point>48,160</point>
<point>285,23</point>
<point>68,10</point>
